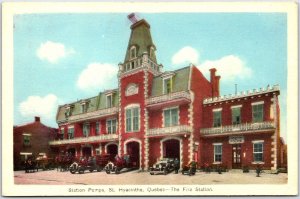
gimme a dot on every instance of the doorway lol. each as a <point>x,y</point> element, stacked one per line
<point>236,156</point>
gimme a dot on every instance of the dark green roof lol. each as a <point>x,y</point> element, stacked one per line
<point>180,81</point>
<point>95,103</point>
<point>141,38</point>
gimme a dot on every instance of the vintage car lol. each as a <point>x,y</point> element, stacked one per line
<point>121,164</point>
<point>189,169</point>
<point>44,162</point>
<point>30,165</point>
<point>91,164</point>
<point>163,166</point>
<point>63,161</point>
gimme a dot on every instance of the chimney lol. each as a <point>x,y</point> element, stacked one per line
<point>217,86</point>
<point>37,119</point>
<point>212,80</point>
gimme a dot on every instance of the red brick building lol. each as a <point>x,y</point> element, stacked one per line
<point>155,114</point>
<point>31,139</point>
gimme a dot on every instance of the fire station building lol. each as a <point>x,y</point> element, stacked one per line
<point>176,114</point>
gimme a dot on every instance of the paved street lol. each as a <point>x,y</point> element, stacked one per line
<point>144,178</point>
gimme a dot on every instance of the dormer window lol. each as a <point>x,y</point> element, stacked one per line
<point>152,53</point>
<point>167,85</point>
<point>109,101</point>
<point>132,52</point>
<point>167,82</point>
<point>68,111</point>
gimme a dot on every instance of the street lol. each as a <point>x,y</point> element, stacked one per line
<point>54,177</point>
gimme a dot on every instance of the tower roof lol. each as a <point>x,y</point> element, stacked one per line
<point>140,38</point>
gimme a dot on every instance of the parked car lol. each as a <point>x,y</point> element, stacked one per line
<point>90,163</point>
<point>125,163</point>
<point>163,166</point>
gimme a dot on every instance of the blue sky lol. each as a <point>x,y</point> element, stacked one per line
<point>59,58</point>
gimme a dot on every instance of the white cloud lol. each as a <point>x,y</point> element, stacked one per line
<point>45,107</point>
<point>97,76</point>
<point>186,55</point>
<point>230,67</point>
<point>52,51</point>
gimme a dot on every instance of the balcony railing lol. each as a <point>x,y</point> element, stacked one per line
<point>170,130</point>
<point>168,97</point>
<point>246,127</point>
<point>94,114</point>
<point>97,138</point>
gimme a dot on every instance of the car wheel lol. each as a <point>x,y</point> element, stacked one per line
<point>91,170</point>
<point>151,173</point>
<point>108,171</point>
<point>73,171</point>
<point>165,172</point>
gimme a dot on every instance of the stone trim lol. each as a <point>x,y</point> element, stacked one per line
<point>140,147</point>
<point>180,147</point>
<point>110,143</point>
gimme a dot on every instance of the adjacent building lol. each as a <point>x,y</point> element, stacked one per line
<point>31,139</point>
<point>177,114</point>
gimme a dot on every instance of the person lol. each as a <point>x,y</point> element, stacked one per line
<point>176,165</point>
<point>192,166</point>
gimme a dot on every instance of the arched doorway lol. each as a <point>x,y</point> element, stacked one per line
<point>112,149</point>
<point>133,149</point>
<point>86,151</point>
<point>171,149</point>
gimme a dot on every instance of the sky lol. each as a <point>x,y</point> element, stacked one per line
<point>61,58</point>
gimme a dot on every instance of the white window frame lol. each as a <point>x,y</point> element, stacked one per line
<point>218,144</point>
<point>111,126</point>
<point>109,104</point>
<point>171,84</point>
<point>131,107</point>
<point>130,55</point>
<point>170,109</point>
<point>262,152</point>
<point>89,129</point>
<point>98,126</point>
<point>236,107</point>
<point>255,104</point>
<point>69,128</point>
<point>215,111</point>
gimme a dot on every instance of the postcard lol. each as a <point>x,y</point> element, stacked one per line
<point>149,99</point>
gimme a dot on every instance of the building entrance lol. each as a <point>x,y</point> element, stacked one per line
<point>133,149</point>
<point>171,149</point>
<point>236,156</point>
<point>86,151</point>
<point>71,151</point>
<point>112,149</point>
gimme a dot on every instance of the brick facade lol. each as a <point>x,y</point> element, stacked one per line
<point>170,114</point>
<point>39,136</point>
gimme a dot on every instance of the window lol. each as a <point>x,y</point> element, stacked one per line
<point>26,139</point>
<point>167,85</point>
<point>217,118</point>
<point>171,117</point>
<point>86,130</point>
<point>152,53</point>
<point>83,107</point>
<point>236,115</point>
<point>111,126</point>
<point>133,52</point>
<point>108,101</point>
<point>98,127</point>
<point>217,152</point>
<point>258,151</point>
<point>70,133</point>
<point>132,119</point>
<point>68,112</point>
<point>98,151</point>
<point>61,134</point>
<point>257,112</point>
